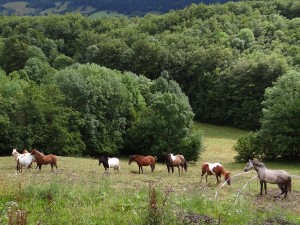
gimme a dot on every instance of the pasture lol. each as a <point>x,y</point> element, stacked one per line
<point>80,192</point>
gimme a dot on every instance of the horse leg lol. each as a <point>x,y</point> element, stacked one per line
<point>172,169</point>
<point>206,177</point>
<point>179,170</point>
<point>218,181</point>
<point>152,168</point>
<point>203,172</point>
<point>262,184</point>
<point>286,190</point>
<point>141,169</point>
<point>283,189</point>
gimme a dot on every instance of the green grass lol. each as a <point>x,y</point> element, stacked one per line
<point>81,193</point>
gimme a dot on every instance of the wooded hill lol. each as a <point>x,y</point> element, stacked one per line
<point>87,7</point>
<point>223,56</point>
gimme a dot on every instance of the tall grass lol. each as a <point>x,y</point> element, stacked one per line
<point>81,193</point>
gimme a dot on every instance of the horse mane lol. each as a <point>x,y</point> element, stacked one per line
<point>137,156</point>
<point>258,163</point>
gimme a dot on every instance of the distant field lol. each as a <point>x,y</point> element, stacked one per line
<point>81,193</point>
<point>20,8</point>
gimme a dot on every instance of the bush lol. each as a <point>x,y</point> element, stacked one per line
<point>247,147</point>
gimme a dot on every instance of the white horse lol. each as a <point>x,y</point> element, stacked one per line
<point>109,163</point>
<point>15,153</point>
<point>24,159</point>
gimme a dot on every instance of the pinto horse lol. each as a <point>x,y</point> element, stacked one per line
<point>176,161</point>
<point>42,159</point>
<point>279,177</point>
<point>215,169</point>
<point>109,162</point>
<point>143,161</point>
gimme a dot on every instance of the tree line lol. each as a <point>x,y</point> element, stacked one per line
<point>221,58</point>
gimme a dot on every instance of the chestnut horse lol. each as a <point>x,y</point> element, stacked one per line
<point>42,159</point>
<point>176,161</point>
<point>143,161</point>
<point>279,177</point>
<point>215,169</point>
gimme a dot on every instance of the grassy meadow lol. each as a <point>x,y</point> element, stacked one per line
<point>81,193</point>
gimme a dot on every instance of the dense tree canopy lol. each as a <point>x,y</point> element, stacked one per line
<point>279,133</point>
<point>208,62</point>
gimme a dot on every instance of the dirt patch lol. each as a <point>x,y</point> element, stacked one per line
<point>276,221</point>
<point>267,203</point>
<point>194,218</point>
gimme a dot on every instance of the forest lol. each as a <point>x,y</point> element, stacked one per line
<point>72,85</point>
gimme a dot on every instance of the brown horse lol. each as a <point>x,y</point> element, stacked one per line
<point>143,161</point>
<point>42,159</point>
<point>176,161</point>
<point>215,169</point>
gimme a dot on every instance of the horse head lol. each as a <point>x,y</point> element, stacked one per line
<point>227,178</point>
<point>33,151</point>
<point>14,152</point>
<point>249,166</point>
<point>104,159</point>
<point>131,157</point>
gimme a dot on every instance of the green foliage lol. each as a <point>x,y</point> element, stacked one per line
<point>279,133</point>
<point>62,61</point>
<point>223,56</point>
<point>248,147</point>
<point>166,124</point>
<point>38,71</point>
<point>36,117</point>
<point>280,121</point>
<point>104,102</point>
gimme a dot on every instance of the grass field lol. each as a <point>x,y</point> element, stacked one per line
<point>81,193</point>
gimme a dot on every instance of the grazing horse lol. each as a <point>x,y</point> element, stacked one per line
<point>176,161</point>
<point>215,169</point>
<point>279,177</point>
<point>109,163</point>
<point>42,159</point>
<point>143,161</point>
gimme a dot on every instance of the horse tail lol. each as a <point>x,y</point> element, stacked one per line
<point>289,184</point>
<point>55,161</point>
<point>185,165</point>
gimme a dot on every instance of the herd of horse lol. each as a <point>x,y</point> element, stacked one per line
<point>27,158</point>
<point>265,175</point>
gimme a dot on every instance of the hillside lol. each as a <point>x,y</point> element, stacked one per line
<point>88,7</point>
